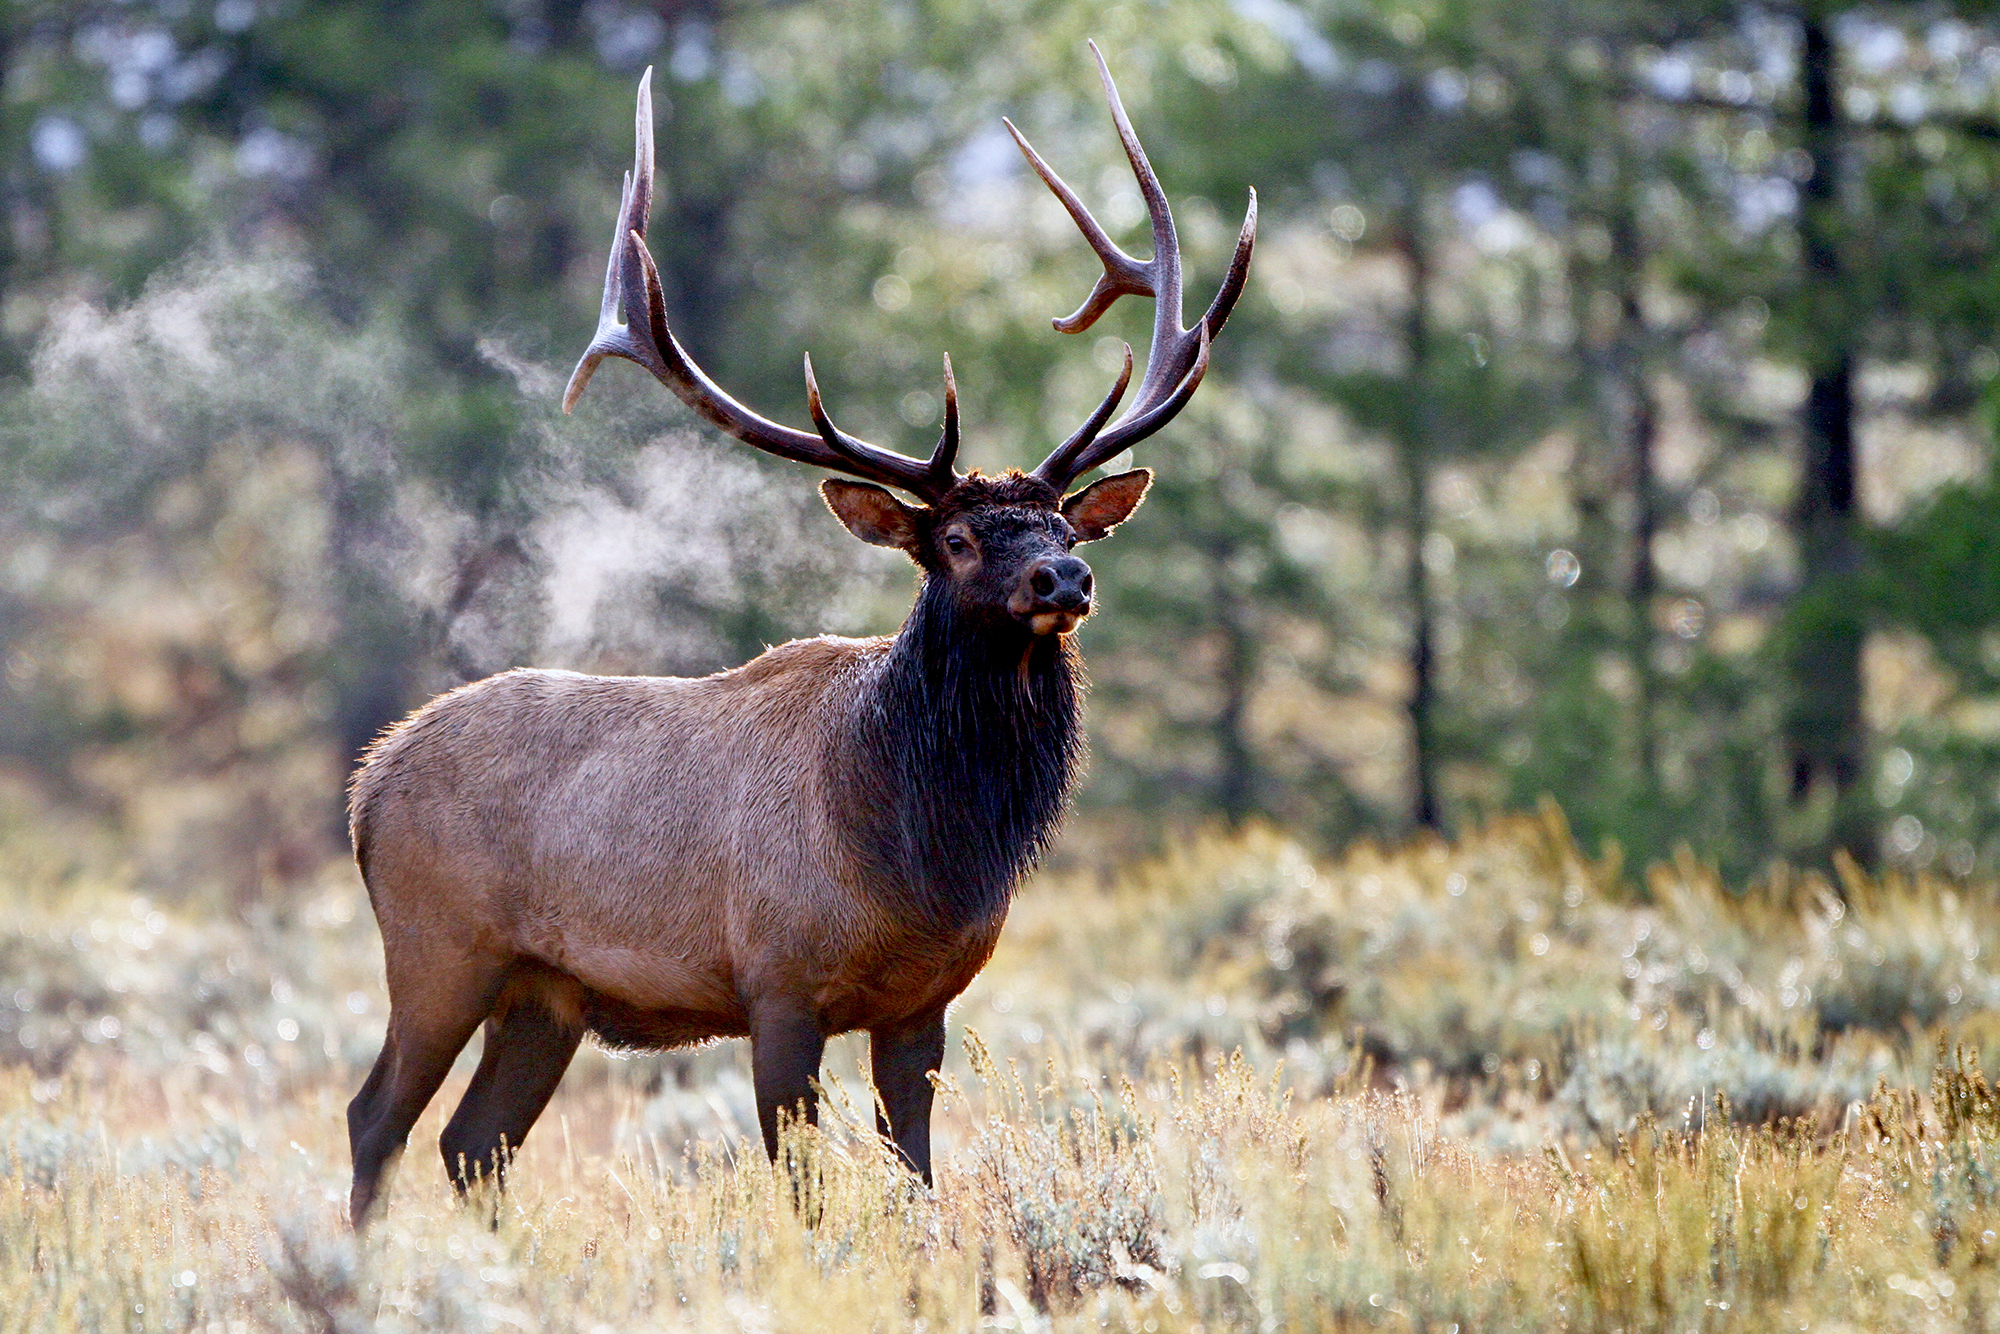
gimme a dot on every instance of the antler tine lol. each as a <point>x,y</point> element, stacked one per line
<point>615,336</point>
<point>1218,310</point>
<point>1062,463</point>
<point>1165,265</point>
<point>1178,358</point>
<point>1123,275</point>
<point>836,439</point>
<point>936,476</point>
<point>946,452</point>
<point>632,286</point>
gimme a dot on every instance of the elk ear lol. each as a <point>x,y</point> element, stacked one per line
<point>872,514</point>
<point>1106,503</point>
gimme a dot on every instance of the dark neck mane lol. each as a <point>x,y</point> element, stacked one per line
<point>965,745</point>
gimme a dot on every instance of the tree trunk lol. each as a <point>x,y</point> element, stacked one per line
<point>1236,779</point>
<point>1641,425</point>
<point>1824,730</point>
<point>1412,453</point>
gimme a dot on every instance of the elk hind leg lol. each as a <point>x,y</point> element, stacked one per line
<point>530,1042</point>
<point>428,1027</point>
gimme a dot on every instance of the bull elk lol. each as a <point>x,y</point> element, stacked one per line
<point>821,840</point>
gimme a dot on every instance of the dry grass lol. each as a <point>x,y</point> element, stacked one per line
<point>1466,1128</point>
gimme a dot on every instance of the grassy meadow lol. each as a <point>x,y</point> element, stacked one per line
<point>1493,1084</point>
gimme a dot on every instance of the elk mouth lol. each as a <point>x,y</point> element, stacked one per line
<point>1048,616</point>
<point>1057,621</point>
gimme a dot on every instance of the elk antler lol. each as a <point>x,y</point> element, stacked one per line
<point>632,285</point>
<point>1178,357</point>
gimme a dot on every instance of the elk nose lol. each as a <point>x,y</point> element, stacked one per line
<point>1061,584</point>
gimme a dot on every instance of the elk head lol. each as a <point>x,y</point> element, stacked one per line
<point>1004,544</point>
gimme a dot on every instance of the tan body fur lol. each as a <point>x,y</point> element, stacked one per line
<point>663,849</point>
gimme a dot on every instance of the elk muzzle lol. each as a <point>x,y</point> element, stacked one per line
<point>1054,594</point>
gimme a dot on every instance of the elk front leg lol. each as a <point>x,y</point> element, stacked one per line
<point>904,1058</point>
<point>785,1048</point>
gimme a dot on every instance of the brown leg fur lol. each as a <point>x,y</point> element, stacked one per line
<point>527,1050</point>
<point>785,1050</point>
<point>431,1018</point>
<point>903,1058</point>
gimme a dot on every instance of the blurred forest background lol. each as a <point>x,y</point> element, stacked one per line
<point>1609,417</point>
